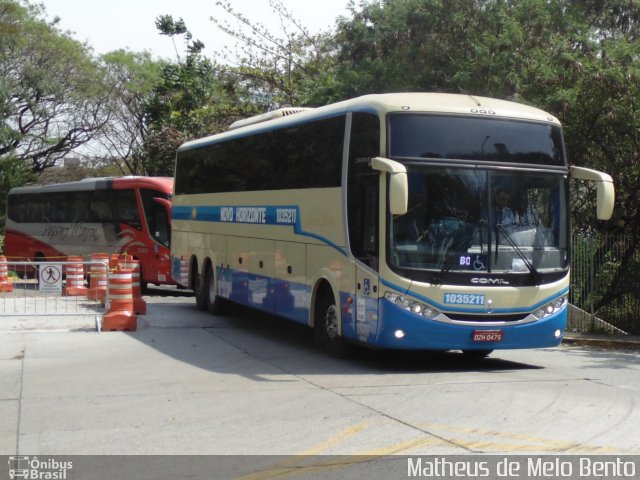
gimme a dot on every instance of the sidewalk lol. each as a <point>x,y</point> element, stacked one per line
<point>602,340</point>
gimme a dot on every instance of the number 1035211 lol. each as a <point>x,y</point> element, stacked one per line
<point>463,299</point>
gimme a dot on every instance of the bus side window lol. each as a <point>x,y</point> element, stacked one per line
<point>100,209</point>
<point>126,208</point>
<point>161,228</point>
<point>363,189</point>
<point>156,215</point>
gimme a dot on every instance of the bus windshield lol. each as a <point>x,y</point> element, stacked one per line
<point>481,220</point>
<point>475,139</point>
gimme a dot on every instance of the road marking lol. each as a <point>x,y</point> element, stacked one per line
<point>292,465</point>
<point>298,466</point>
<point>337,439</point>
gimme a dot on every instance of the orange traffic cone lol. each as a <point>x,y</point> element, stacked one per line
<point>5,284</point>
<point>120,315</point>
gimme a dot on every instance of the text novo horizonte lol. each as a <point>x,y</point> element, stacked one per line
<point>282,216</point>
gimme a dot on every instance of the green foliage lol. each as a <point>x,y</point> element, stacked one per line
<point>51,94</point>
<point>275,69</point>
<point>193,98</point>
<point>161,146</point>
<point>131,78</point>
<point>14,172</point>
<point>579,60</point>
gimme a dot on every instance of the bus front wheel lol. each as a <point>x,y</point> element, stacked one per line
<point>327,328</point>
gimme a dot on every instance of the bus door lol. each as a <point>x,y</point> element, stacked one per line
<point>366,304</point>
<point>363,207</point>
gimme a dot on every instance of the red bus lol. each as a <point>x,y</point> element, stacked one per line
<point>95,215</point>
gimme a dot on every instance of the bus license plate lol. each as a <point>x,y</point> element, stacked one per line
<point>487,335</point>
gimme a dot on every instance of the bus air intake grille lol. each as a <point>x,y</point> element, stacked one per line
<point>459,317</point>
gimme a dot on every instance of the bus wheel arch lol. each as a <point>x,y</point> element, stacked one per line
<point>327,320</point>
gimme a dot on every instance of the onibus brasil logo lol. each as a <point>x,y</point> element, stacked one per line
<point>38,468</point>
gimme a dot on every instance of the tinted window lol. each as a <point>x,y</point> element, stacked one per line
<point>95,206</point>
<point>125,208</point>
<point>156,215</point>
<point>303,156</point>
<point>473,138</point>
<point>363,188</point>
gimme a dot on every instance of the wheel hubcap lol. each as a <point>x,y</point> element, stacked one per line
<point>331,322</point>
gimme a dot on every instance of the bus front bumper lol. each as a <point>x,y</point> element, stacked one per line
<point>401,329</point>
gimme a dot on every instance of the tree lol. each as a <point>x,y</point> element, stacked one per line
<point>579,60</point>
<point>13,173</point>
<point>131,78</point>
<point>52,99</point>
<point>194,97</point>
<point>276,69</point>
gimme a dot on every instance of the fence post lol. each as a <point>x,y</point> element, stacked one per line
<point>592,279</point>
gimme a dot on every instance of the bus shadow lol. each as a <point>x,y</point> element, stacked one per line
<point>166,291</point>
<point>276,343</point>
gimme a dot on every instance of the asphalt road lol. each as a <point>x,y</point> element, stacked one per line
<point>190,383</point>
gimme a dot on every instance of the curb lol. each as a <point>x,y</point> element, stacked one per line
<point>620,342</point>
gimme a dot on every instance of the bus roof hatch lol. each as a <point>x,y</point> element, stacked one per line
<point>265,117</point>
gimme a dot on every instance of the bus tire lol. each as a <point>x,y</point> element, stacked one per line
<point>213,303</point>
<point>199,289</point>
<point>327,328</point>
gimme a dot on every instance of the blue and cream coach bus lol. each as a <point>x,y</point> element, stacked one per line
<point>404,221</point>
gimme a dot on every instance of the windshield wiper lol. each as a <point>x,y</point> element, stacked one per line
<point>534,272</point>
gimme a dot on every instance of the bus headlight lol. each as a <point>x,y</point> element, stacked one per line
<point>551,308</point>
<point>414,307</point>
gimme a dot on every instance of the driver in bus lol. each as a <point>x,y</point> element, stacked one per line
<point>504,214</point>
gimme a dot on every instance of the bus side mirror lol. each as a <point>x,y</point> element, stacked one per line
<point>605,193</point>
<point>398,184</point>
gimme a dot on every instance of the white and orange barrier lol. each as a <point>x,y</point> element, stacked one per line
<point>5,283</point>
<point>120,315</point>
<point>129,263</point>
<point>98,283</point>
<point>75,286</point>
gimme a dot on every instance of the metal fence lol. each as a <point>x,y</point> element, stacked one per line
<point>34,295</point>
<point>596,263</point>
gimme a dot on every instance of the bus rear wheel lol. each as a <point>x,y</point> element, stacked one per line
<point>213,303</point>
<point>199,289</point>
<point>327,327</point>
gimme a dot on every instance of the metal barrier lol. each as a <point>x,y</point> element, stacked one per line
<point>603,269</point>
<point>44,289</point>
